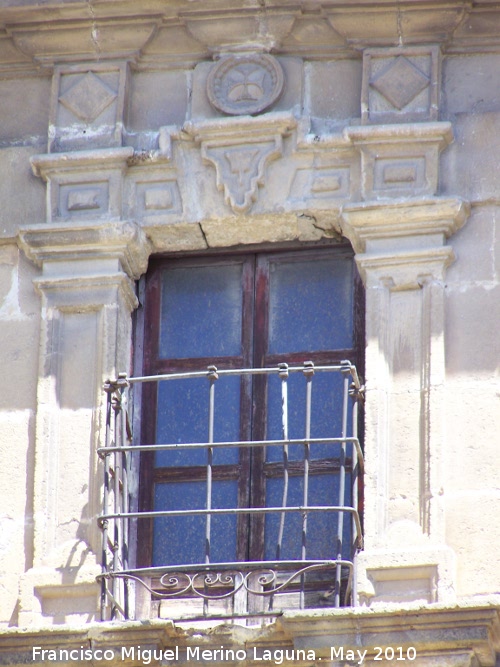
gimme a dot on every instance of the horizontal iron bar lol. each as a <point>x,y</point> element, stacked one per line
<point>245,371</point>
<point>227,510</point>
<point>234,510</point>
<point>104,451</point>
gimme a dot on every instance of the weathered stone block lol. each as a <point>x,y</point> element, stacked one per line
<point>334,90</point>
<point>15,178</point>
<point>167,100</point>
<point>472,345</point>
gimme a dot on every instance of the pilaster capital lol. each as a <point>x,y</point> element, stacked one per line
<point>81,263</point>
<point>121,241</point>
<point>402,223</point>
<point>404,270</point>
<point>401,243</point>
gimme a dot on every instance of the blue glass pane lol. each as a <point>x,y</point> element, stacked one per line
<point>183,417</point>
<point>201,311</point>
<point>310,305</point>
<point>321,526</point>
<point>326,414</point>
<point>181,540</point>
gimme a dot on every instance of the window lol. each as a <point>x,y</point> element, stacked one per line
<point>247,311</point>
<point>274,330</point>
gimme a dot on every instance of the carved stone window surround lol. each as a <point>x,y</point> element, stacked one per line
<point>401,250</point>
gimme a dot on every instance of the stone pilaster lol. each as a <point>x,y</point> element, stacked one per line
<point>402,256</point>
<point>89,257</point>
<point>87,298</point>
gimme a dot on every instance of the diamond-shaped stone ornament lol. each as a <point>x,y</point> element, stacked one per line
<point>400,82</point>
<point>88,98</point>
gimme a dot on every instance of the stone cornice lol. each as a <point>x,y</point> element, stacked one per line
<point>68,32</point>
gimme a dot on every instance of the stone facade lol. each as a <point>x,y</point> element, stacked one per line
<point>138,128</point>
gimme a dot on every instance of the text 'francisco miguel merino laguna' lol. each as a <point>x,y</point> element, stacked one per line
<point>203,655</point>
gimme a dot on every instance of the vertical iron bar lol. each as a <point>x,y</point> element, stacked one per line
<point>105,502</point>
<point>212,376</point>
<point>308,372</point>
<point>283,374</point>
<point>116,499</point>
<point>341,502</point>
<point>354,499</point>
<point>124,462</point>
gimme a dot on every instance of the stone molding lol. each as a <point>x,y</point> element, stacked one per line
<point>33,35</point>
<point>124,242</point>
<point>236,32</point>
<point>382,224</point>
<point>383,25</point>
<point>454,635</point>
<point>404,270</point>
<point>72,40</point>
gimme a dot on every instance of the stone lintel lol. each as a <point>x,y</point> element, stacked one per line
<point>406,218</point>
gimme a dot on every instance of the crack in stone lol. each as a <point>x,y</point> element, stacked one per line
<point>94,34</point>
<point>204,236</point>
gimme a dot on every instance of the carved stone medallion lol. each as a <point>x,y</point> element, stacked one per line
<point>245,84</point>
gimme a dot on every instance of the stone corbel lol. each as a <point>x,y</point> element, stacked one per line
<point>232,32</point>
<point>240,164</point>
<point>83,185</point>
<point>76,40</point>
<point>400,160</point>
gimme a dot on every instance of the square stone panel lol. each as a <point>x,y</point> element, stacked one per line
<point>88,98</point>
<point>400,84</point>
<point>83,199</point>
<point>87,106</point>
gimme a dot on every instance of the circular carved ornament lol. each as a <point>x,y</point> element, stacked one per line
<point>249,84</point>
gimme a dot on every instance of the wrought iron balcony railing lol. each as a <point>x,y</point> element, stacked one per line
<point>311,534</point>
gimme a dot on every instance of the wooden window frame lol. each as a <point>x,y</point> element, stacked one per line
<point>251,486</point>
